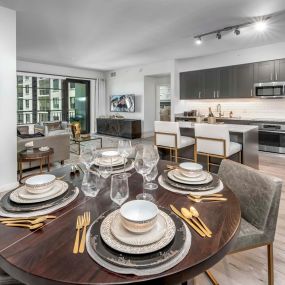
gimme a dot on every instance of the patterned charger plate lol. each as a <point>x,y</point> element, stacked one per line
<point>10,206</point>
<point>204,187</point>
<point>138,260</point>
<point>18,195</point>
<point>127,237</point>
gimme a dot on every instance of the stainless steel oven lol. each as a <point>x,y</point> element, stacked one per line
<point>271,137</point>
<point>270,90</point>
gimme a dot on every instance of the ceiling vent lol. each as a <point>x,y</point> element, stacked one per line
<point>113,74</point>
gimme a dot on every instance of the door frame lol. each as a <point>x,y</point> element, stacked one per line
<point>65,114</point>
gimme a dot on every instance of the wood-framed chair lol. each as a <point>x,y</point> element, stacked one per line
<point>259,196</point>
<point>214,141</point>
<point>167,136</point>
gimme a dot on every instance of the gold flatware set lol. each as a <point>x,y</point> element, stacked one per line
<point>192,218</point>
<point>82,222</point>
<point>31,223</point>
<point>210,197</point>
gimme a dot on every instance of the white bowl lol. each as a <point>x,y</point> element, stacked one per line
<point>40,181</point>
<point>191,166</point>
<point>139,216</point>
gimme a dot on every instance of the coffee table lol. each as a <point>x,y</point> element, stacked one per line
<point>81,140</point>
<point>29,155</point>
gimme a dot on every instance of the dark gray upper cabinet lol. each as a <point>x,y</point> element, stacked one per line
<point>280,70</point>
<point>264,71</point>
<point>192,85</point>
<point>226,82</point>
<point>243,81</point>
<point>211,83</point>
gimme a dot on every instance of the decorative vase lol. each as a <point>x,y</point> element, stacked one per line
<point>76,130</point>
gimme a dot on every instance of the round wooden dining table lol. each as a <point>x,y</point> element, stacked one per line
<point>45,256</point>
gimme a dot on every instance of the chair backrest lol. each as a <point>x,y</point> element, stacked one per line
<point>165,133</point>
<point>214,138</point>
<point>259,194</point>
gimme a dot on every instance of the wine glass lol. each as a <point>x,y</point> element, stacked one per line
<point>125,149</point>
<point>91,184</point>
<point>87,155</point>
<point>143,166</point>
<point>119,188</point>
<point>150,177</point>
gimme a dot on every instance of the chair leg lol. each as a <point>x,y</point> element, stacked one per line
<point>270,264</point>
<point>176,155</point>
<point>211,277</point>
<point>208,163</point>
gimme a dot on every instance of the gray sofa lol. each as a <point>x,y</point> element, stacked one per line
<point>60,144</point>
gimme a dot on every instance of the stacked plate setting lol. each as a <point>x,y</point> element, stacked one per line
<point>138,235</point>
<point>113,159</point>
<point>39,192</point>
<point>191,176</point>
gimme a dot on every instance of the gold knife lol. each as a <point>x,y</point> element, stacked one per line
<point>187,221</point>
<point>25,218</point>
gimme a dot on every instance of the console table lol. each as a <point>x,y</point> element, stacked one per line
<point>125,128</point>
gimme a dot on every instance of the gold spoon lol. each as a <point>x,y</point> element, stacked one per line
<point>26,218</point>
<point>32,222</point>
<point>195,213</point>
<point>31,227</point>
<point>186,213</point>
<point>216,199</point>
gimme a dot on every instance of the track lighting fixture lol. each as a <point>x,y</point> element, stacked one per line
<point>237,31</point>
<point>260,25</point>
<point>198,40</point>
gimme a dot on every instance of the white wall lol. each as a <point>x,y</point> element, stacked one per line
<point>131,81</point>
<point>61,71</point>
<point>8,103</point>
<point>248,108</point>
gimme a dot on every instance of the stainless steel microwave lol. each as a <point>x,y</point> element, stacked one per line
<point>270,90</point>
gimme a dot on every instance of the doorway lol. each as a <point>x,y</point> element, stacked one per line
<point>77,102</point>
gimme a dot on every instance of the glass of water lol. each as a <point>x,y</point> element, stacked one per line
<point>91,183</point>
<point>119,188</point>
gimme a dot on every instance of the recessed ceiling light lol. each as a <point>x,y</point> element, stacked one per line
<point>260,25</point>
<point>219,36</point>
<point>198,41</point>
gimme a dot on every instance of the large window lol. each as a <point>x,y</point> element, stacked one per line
<point>38,98</point>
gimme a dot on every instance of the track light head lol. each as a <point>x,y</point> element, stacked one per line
<point>237,31</point>
<point>218,36</point>
<point>198,40</point>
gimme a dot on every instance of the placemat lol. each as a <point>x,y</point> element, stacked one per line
<point>179,191</point>
<point>4,213</point>
<point>141,272</point>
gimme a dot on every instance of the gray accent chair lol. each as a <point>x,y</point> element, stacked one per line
<point>259,196</point>
<point>5,279</point>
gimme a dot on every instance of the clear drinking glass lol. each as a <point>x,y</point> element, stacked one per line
<point>125,149</point>
<point>119,188</point>
<point>87,155</point>
<point>105,170</point>
<point>150,177</point>
<point>143,166</point>
<point>104,164</point>
<point>91,183</point>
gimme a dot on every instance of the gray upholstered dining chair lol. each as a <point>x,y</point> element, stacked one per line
<point>259,196</point>
<point>5,279</point>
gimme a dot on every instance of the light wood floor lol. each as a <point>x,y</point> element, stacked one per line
<point>250,267</point>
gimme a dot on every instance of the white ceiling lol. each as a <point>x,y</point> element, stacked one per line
<point>110,34</point>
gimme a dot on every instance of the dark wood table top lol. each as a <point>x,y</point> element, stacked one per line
<point>34,153</point>
<point>45,256</point>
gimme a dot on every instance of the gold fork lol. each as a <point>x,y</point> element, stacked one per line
<point>85,225</point>
<point>79,225</point>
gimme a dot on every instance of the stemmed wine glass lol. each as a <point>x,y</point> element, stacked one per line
<point>143,166</point>
<point>150,177</point>
<point>125,149</point>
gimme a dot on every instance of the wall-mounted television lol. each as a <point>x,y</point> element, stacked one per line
<point>122,103</point>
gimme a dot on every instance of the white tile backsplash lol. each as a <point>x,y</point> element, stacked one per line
<point>244,108</point>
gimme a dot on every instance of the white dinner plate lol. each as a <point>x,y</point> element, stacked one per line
<point>116,161</point>
<point>127,237</point>
<point>60,188</point>
<point>180,176</point>
<point>32,196</point>
<point>208,179</point>
<point>190,173</point>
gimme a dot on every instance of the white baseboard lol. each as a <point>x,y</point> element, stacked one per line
<point>9,186</point>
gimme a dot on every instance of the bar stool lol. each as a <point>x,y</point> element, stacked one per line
<point>214,141</point>
<point>167,135</point>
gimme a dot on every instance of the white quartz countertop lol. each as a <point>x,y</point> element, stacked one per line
<point>232,127</point>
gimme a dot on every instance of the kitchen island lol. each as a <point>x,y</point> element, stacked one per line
<point>247,135</point>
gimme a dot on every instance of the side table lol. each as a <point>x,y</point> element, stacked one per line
<point>29,155</point>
